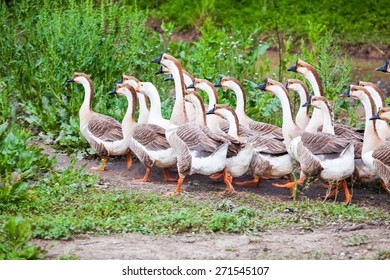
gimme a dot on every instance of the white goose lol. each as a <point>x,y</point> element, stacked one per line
<point>319,154</point>
<point>147,141</point>
<point>196,151</point>
<point>375,152</point>
<point>103,133</point>
<point>263,129</point>
<point>302,117</point>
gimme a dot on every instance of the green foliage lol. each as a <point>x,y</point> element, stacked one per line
<point>354,21</point>
<point>14,241</point>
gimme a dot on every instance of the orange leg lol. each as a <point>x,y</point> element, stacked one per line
<point>146,176</point>
<point>227,178</point>
<point>342,185</point>
<point>166,176</point>
<point>129,158</point>
<point>255,181</point>
<point>290,185</point>
<point>386,188</point>
<point>216,176</point>
<point>102,166</point>
<point>177,190</point>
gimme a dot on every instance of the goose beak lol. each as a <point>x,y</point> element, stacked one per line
<point>212,111</point>
<point>191,86</point>
<point>159,71</point>
<point>263,85</point>
<point>219,83</point>
<point>158,60</point>
<point>71,80</point>
<point>308,102</point>
<point>384,67</point>
<point>346,93</point>
<point>375,117</point>
<point>293,68</point>
<point>113,91</point>
<point>168,78</point>
<point>286,85</point>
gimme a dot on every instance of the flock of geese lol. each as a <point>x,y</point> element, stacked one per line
<point>221,142</point>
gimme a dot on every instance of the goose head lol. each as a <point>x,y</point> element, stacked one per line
<point>382,114</point>
<point>302,67</point>
<point>355,92</point>
<point>375,92</point>
<point>297,86</point>
<point>125,90</point>
<point>318,102</point>
<point>79,78</point>
<point>167,61</point>
<point>130,80</point>
<point>227,82</point>
<point>272,86</point>
<point>162,70</point>
<point>385,67</point>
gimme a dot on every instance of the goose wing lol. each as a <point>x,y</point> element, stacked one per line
<point>324,143</point>
<point>105,128</point>
<point>267,145</point>
<point>151,136</point>
<point>348,132</point>
<point>266,129</point>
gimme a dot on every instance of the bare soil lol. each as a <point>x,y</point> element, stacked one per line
<point>334,241</point>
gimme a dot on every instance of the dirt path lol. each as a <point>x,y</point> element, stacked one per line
<point>347,241</point>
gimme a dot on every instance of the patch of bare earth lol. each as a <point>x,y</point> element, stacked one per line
<point>335,241</point>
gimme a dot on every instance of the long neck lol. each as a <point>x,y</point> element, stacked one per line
<point>179,115</point>
<point>143,109</point>
<point>315,82</point>
<point>88,96</point>
<point>289,127</point>
<point>233,125</point>
<point>379,102</point>
<point>155,103</point>
<point>328,125</point>
<point>302,117</point>
<point>211,93</point>
<point>371,138</point>
<point>128,121</point>
<point>200,111</point>
<point>240,102</point>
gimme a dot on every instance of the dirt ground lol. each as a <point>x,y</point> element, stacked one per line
<point>334,241</point>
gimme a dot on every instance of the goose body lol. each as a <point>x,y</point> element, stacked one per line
<point>319,154</point>
<point>147,141</point>
<point>103,133</point>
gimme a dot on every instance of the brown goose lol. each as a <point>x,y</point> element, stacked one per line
<point>103,133</point>
<point>319,154</point>
<point>147,141</point>
<point>197,152</point>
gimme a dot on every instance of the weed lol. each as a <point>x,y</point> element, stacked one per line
<point>14,241</point>
<point>384,255</point>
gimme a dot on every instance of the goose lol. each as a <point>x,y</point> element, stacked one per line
<point>147,141</point>
<point>263,129</point>
<point>309,72</point>
<point>239,154</point>
<point>319,154</point>
<point>302,117</point>
<point>103,133</point>
<point>382,127</point>
<point>362,173</point>
<point>375,152</point>
<point>197,152</point>
<point>385,67</point>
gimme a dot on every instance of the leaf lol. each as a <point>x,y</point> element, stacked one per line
<point>3,127</point>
